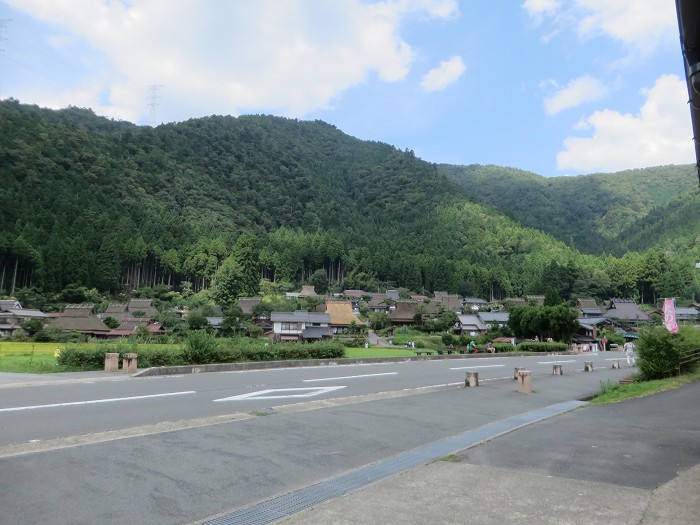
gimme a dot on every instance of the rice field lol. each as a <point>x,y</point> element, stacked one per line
<point>37,358</point>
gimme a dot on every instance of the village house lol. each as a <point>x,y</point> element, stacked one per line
<point>80,318</point>
<point>588,308</point>
<point>12,315</point>
<point>341,315</point>
<point>625,310</point>
<point>300,325</point>
<point>470,324</point>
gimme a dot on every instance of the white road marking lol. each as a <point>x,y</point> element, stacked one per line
<point>278,393</point>
<point>481,366</point>
<point>350,377</point>
<point>555,362</point>
<point>95,401</point>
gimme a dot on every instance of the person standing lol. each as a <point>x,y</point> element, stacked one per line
<point>630,353</point>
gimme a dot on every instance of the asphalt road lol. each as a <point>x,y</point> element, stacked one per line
<point>41,411</point>
<point>69,453</point>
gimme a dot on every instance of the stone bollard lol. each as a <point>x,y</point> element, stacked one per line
<point>588,366</point>
<point>129,362</point>
<point>557,370</point>
<point>472,379</point>
<point>525,382</point>
<point>111,362</point>
<point>616,363</point>
<point>515,372</point>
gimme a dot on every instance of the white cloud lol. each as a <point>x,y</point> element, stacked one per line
<point>641,25</point>
<point>579,91</point>
<point>660,134</point>
<point>289,57</point>
<point>540,7</point>
<point>448,72</point>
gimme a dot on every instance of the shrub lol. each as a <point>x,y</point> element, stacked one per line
<point>199,347</point>
<point>660,352</point>
<point>535,346</point>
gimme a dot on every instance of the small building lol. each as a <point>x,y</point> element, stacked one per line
<point>12,315</point>
<point>246,304</point>
<point>474,304</point>
<point>341,314</point>
<point>625,310</point>
<point>404,312</point>
<point>144,306</point>
<point>494,319</point>
<point>80,318</point>
<point>448,302</point>
<point>588,308</point>
<point>688,315</point>
<point>300,325</point>
<point>470,324</point>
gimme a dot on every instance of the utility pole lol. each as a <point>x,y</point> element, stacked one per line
<point>153,97</point>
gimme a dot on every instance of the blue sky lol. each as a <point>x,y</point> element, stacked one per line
<point>557,87</point>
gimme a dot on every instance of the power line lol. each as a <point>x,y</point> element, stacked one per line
<point>153,98</point>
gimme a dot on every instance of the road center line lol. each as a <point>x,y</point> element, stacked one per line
<point>350,377</point>
<point>95,401</point>
<point>481,366</point>
<point>555,362</point>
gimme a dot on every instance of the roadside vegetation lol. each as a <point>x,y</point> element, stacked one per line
<point>665,361</point>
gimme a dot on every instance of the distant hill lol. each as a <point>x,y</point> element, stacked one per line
<point>89,201</point>
<point>596,213</point>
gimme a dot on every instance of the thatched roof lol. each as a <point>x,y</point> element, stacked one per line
<point>341,312</point>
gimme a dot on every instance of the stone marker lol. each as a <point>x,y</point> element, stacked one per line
<point>515,372</point>
<point>588,366</point>
<point>129,362</point>
<point>525,382</point>
<point>111,362</point>
<point>472,379</point>
<point>557,370</point>
<point>616,363</point>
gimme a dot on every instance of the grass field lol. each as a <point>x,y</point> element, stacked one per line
<point>35,358</point>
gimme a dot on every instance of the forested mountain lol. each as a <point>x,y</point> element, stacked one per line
<point>106,204</point>
<point>598,213</point>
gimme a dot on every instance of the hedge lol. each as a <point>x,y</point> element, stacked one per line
<point>539,346</point>
<point>195,351</point>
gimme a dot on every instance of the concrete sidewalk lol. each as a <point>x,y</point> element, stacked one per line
<point>635,462</point>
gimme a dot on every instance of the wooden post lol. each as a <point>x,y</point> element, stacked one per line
<point>515,372</point>
<point>588,366</point>
<point>472,379</point>
<point>525,382</point>
<point>557,370</point>
<point>616,363</point>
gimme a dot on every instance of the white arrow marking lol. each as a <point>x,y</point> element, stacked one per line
<point>279,393</point>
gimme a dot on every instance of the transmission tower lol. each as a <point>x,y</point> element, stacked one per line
<point>153,98</point>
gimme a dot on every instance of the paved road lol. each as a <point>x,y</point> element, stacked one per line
<point>40,410</point>
<point>183,475</point>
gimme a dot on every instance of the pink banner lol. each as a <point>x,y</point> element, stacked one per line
<point>670,316</point>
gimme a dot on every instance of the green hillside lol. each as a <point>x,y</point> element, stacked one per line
<point>86,201</point>
<point>597,213</point>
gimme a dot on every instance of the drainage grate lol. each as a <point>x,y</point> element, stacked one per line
<point>288,504</point>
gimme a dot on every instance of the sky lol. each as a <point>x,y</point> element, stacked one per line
<point>556,87</point>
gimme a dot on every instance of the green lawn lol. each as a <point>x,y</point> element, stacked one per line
<point>381,351</point>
